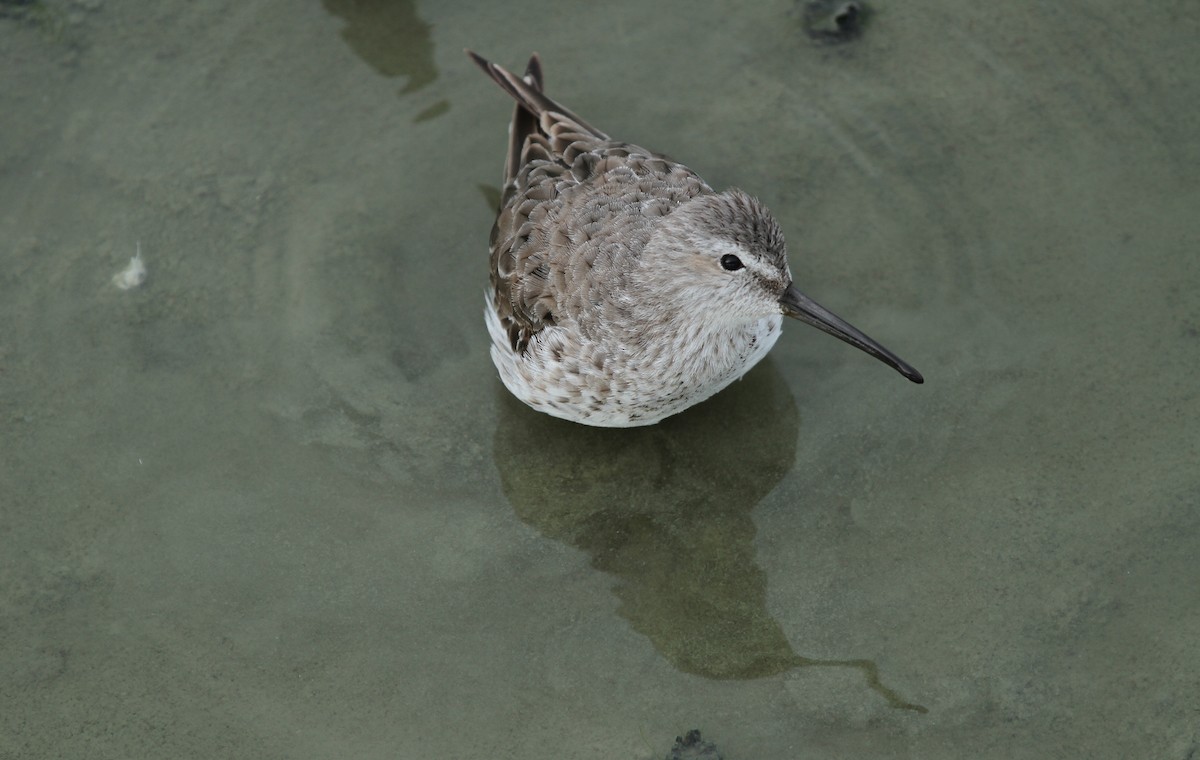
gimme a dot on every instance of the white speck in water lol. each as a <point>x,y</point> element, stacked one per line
<point>132,275</point>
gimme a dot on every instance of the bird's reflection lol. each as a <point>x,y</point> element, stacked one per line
<point>390,36</point>
<point>666,510</point>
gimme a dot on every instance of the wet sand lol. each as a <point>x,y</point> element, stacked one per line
<point>274,502</point>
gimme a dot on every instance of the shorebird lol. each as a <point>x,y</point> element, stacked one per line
<point>624,289</point>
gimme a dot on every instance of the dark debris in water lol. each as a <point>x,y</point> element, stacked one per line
<point>833,22</point>
<point>691,747</point>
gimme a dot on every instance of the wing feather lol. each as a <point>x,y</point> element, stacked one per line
<point>576,209</point>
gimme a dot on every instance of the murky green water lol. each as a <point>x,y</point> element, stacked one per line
<point>274,502</point>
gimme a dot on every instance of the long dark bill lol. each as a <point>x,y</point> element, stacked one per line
<point>796,304</point>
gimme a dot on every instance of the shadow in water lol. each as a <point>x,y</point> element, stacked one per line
<point>666,509</point>
<point>389,36</point>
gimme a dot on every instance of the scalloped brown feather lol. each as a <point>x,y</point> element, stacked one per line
<point>565,176</point>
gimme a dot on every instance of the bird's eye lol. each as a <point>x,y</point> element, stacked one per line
<point>731,263</point>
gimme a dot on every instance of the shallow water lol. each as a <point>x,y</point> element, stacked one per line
<point>275,503</point>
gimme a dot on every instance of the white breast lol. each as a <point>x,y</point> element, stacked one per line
<point>624,386</point>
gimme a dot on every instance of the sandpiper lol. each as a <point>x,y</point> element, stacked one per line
<point>624,289</point>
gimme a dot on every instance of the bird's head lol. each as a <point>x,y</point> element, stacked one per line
<point>724,255</point>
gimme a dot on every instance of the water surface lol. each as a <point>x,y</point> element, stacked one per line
<point>274,502</point>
